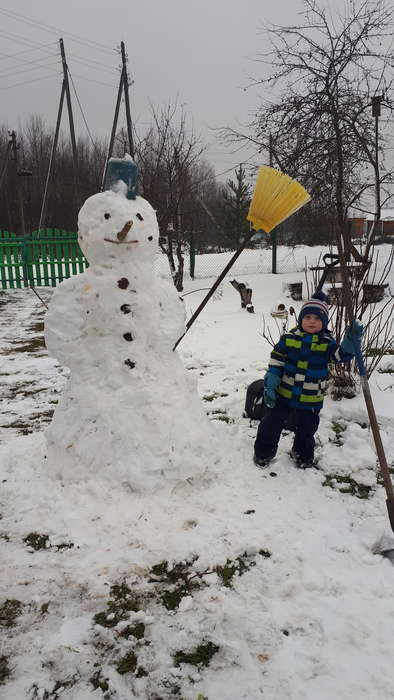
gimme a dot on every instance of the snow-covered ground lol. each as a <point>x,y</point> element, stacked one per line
<point>249,584</point>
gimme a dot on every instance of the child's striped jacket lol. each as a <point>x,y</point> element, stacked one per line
<point>301,360</point>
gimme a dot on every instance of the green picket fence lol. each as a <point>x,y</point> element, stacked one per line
<point>41,259</point>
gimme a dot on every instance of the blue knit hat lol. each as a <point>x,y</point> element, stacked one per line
<point>317,305</point>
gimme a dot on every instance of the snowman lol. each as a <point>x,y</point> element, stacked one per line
<point>130,411</point>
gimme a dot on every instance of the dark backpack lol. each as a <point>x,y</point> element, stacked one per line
<point>254,404</point>
<point>255,407</point>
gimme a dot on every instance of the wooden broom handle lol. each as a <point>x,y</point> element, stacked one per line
<point>388,484</point>
<point>215,285</point>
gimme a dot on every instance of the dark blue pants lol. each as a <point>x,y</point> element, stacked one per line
<point>270,429</point>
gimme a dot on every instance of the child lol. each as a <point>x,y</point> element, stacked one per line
<point>297,379</point>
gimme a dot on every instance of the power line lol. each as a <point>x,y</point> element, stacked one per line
<point>93,61</point>
<point>29,63</point>
<point>91,66</point>
<point>82,112</point>
<point>27,70</point>
<point>91,80</point>
<point>16,38</point>
<point>37,48</point>
<point>50,28</point>
<point>44,77</point>
<point>224,172</point>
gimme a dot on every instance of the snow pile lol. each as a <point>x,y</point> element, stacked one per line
<point>254,584</point>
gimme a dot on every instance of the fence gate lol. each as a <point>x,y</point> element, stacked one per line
<point>41,259</point>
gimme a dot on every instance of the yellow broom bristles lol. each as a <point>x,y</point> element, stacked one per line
<point>276,196</point>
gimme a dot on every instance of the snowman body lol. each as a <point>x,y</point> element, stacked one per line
<point>129,411</point>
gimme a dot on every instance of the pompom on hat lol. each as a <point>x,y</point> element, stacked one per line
<point>317,305</point>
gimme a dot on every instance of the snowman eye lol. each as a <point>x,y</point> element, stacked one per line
<point>107,216</point>
<point>141,218</point>
<point>150,238</point>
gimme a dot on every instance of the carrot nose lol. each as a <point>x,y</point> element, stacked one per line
<point>123,233</point>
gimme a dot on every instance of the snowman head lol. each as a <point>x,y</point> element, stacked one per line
<point>113,229</point>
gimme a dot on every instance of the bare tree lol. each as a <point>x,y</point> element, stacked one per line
<point>35,140</point>
<point>327,71</point>
<point>167,156</point>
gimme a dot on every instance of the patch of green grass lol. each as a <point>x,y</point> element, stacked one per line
<point>101,618</point>
<point>31,346</point>
<point>64,545</point>
<point>172,688</point>
<point>121,602</point>
<point>5,670</point>
<point>172,598</point>
<point>98,681</point>
<point>175,582</point>
<point>379,477</point>
<point>180,580</point>
<point>31,423</point>
<point>213,396</point>
<point>338,427</point>
<point>200,656</point>
<point>127,664</point>
<point>9,611</point>
<point>221,414</point>
<point>346,484</point>
<point>141,673</point>
<point>37,541</point>
<point>62,685</point>
<point>237,567</point>
<point>137,631</point>
<point>37,327</point>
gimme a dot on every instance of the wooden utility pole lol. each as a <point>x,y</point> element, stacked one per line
<point>70,118</point>
<point>127,99</point>
<point>123,89</point>
<point>6,161</point>
<point>44,205</point>
<point>19,193</point>
<point>65,92</point>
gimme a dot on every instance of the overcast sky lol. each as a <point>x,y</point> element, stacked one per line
<point>199,51</point>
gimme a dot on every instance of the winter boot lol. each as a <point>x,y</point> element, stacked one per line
<point>302,464</point>
<point>261,461</point>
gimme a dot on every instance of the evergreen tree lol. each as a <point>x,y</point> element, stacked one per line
<point>236,200</point>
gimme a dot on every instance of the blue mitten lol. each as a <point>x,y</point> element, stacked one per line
<point>352,338</point>
<point>271,383</point>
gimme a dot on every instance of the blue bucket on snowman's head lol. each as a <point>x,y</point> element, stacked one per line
<point>123,169</point>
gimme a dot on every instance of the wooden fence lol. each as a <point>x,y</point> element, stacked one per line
<point>41,259</point>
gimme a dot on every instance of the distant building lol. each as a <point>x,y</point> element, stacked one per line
<point>359,226</point>
<point>362,225</point>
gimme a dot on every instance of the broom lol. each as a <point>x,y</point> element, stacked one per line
<point>276,196</point>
